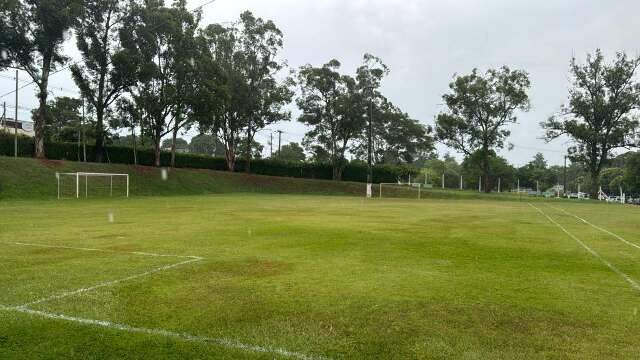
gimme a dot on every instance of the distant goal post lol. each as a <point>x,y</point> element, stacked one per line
<point>400,190</point>
<point>78,185</point>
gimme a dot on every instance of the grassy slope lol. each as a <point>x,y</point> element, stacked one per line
<point>32,179</point>
<point>333,276</point>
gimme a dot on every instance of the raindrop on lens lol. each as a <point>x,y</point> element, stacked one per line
<point>164,174</point>
<point>110,217</point>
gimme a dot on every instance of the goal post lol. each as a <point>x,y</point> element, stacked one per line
<point>400,190</point>
<point>89,184</point>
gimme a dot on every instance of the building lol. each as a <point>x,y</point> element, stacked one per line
<point>24,127</point>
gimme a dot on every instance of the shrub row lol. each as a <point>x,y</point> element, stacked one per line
<point>124,155</point>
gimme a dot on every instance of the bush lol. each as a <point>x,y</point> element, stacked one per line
<point>124,155</point>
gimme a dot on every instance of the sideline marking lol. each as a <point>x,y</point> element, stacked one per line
<point>631,282</point>
<point>228,343</point>
<point>598,227</point>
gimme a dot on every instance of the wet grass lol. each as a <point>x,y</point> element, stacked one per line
<point>337,277</point>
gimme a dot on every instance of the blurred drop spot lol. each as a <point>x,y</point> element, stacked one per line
<point>164,174</point>
<point>110,216</point>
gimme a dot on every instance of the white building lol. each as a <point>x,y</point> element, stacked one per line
<point>24,127</point>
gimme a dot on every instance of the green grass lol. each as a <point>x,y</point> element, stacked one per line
<point>326,276</point>
<point>33,179</point>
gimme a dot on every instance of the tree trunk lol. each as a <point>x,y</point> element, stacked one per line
<point>99,134</point>
<point>174,136</point>
<point>248,156</point>
<point>595,180</point>
<point>486,171</point>
<point>41,115</point>
<point>156,151</point>
<point>230,159</point>
<point>135,154</point>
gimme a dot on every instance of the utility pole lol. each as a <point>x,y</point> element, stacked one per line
<point>15,123</point>
<point>369,155</point>
<point>565,175</point>
<point>279,139</point>
<point>84,140</point>
<point>271,144</point>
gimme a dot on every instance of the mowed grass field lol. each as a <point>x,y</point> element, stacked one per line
<point>291,276</point>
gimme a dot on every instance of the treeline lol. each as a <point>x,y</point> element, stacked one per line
<point>155,70</point>
<point>622,174</point>
<point>355,171</point>
<point>600,118</point>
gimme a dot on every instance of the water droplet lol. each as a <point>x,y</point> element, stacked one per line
<point>250,232</point>
<point>110,217</point>
<point>164,174</point>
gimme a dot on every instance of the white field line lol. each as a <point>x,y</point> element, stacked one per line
<point>108,283</point>
<point>227,343</point>
<point>102,250</point>
<point>631,282</point>
<point>598,227</point>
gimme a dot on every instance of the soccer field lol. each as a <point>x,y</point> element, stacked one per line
<point>313,277</point>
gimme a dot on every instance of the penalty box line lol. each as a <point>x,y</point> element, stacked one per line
<point>223,342</point>
<point>191,259</point>
<point>598,227</point>
<point>227,343</point>
<point>613,268</point>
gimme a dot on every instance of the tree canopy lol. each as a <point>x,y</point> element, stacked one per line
<point>601,114</point>
<point>480,108</point>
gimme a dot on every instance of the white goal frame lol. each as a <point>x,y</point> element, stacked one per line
<point>87,175</point>
<point>409,185</point>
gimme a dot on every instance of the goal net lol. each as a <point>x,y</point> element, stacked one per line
<point>92,185</point>
<point>400,190</point>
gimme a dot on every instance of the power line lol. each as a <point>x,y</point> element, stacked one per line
<point>76,62</point>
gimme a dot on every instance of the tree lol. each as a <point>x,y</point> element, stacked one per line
<point>600,115</point>
<point>177,144</point>
<point>63,119</point>
<point>291,152</point>
<point>103,74</point>
<point>154,37</point>
<point>259,44</point>
<point>206,144</point>
<point>35,32</point>
<point>499,167</point>
<point>631,175</point>
<point>479,110</point>
<point>256,149</point>
<point>397,138</point>
<point>333,106</point>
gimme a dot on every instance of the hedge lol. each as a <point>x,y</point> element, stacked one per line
<point>124,155</point>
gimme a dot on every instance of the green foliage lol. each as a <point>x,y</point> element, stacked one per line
<point>34,33</point>
<point>472,169</point>
<point>180,143</point>
<point>537,173</point>
<point>291,152</point>
<point>207,145</point>
<point>600,115</point>
<point>146,156</point>
<point>480,108</point>
<point>632,173</point>
<point>105,71</point>
<point>160,46</point>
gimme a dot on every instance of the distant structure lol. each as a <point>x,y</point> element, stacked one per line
<point>24,127</point>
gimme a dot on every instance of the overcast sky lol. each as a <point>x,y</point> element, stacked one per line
<point>425,42</point>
